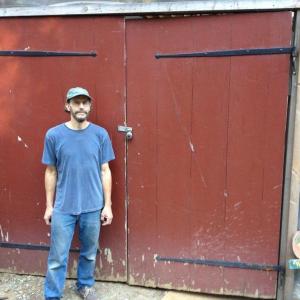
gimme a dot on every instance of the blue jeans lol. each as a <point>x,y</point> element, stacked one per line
<point>62,231</point>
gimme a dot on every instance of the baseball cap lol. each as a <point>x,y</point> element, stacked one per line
<point>77,91</point>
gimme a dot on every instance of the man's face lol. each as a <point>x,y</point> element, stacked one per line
<point>79,108</point>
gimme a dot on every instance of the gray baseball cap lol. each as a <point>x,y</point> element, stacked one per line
<point>77,91</point>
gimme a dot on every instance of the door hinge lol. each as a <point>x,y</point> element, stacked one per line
<point>25,53</point>
<point>234,52</point>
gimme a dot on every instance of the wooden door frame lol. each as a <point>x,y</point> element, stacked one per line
<point>291,188</point>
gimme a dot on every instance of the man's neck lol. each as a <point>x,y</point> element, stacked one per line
<point>73,124</point>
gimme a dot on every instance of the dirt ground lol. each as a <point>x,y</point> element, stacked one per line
<point>25,287</point>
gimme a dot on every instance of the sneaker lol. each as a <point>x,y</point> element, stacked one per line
<point>87,293</point>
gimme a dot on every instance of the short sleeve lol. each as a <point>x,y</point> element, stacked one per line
<point>49,157</point>
<point>107,152</point>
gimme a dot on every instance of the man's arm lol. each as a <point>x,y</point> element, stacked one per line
<point>106,215</point>
<point>50,185</point>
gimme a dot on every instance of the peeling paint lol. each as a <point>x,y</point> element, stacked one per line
<point>4,236</point>
<point>169,286</point>
<point>1,232</point>
<point>244,294</point>
<point>73,270</point>
<point>108,255</point>
<point>131,279</point>
<point>155,261</point>
<point>97,272</point>
<point>277,186</point>
<point>101,262</point>
<point>20,140</point>
<point>114,278</point>
<point>237,204</point>
<point>146,283</point>
<point>192,146</point>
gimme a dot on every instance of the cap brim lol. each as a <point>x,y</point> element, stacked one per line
<point>89,97</point>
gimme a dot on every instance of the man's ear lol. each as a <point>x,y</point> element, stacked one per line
<point>67,107</point>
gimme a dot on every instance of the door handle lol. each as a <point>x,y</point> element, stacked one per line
<point>127,130</point>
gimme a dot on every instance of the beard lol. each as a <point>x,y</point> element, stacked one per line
<point>80,116</point>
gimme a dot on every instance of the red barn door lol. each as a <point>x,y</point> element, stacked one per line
<point>32,100</point>
<point>205,165</point>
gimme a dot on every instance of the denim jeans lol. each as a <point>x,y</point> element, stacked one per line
<point>62,231</point>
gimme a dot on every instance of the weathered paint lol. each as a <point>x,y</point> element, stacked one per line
<point>208,151</point>
<point>172,95</point>
<point>32,99</point>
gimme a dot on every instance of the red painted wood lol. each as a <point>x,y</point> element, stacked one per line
<point>32,98</point>
<point>256,138</point>
<point>205,166</point>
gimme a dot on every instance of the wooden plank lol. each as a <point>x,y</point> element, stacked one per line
<point>35,90</point>
<point>256,142</point>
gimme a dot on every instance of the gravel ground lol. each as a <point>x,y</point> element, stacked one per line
<point>25,287</point>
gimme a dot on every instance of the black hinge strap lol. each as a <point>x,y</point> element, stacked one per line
<point>221,263</point>
<point>237,52</point>
<point>25,53</point>
<point>31,247</point>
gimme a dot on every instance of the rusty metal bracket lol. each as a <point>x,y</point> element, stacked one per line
<point>222,263</point>
<point>227,53</point>
<point>25,53</point>
<point>294,60</point>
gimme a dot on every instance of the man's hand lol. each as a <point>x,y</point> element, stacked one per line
<point>50,185</point>
<point>106,215</point>
<point>48,214</point>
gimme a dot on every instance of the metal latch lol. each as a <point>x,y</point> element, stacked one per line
<point>127,131</point>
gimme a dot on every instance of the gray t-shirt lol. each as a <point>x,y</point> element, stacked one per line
<point>78,156</point>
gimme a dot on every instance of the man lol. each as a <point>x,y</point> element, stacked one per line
<point>77,155</point>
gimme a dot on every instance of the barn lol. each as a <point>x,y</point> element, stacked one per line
<point>200,101</point>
